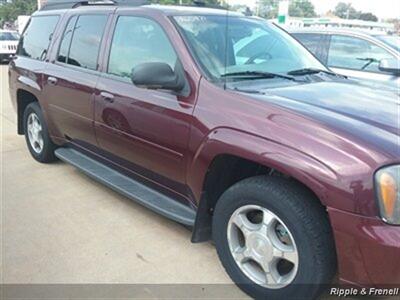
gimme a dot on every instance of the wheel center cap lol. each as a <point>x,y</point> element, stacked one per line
<point>260,245</point>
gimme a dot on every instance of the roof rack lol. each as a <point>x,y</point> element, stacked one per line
<point>202,3</point>
<point>65,4</point>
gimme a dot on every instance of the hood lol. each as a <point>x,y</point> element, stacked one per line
<point>386,85</point>
<point>359,112</point>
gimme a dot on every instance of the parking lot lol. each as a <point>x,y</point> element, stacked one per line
<point>59,226</point>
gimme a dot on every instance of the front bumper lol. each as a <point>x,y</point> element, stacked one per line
<point>368,249</point>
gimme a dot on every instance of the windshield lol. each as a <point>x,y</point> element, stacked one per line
<point>230,44</point>
<point>391,40</point>
<point>9,36</point>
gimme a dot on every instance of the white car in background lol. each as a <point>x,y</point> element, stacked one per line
<point>8,44</point>
<point>369,58</point>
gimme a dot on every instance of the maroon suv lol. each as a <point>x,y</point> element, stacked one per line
<point>226,124</point>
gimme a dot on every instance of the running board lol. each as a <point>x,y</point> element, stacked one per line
<point>128,187</point>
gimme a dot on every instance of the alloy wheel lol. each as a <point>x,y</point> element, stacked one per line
<point>262,247</point>
<point>35,135</point>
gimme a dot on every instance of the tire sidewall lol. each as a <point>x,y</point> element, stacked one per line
<point>233,200</point>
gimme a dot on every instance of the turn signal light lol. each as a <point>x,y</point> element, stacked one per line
<point>388,191</point>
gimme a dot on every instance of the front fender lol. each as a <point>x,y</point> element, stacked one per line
<point>315,174</point>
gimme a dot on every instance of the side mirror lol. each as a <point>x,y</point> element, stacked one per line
<point>390,66</point>
<point>156,76</point>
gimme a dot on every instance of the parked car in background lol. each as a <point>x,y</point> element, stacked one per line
<point>8,44</point>
<point>391,40</point>
<point>374,59</point>
<point>238,132</point>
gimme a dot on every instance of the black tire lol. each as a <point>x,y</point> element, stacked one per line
<point>46,155</point>
<point>305,218</point>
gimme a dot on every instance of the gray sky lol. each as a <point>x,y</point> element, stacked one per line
<point>381,8</point>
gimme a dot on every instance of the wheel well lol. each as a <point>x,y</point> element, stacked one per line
<point>224,172</point>
<point>24,98</point>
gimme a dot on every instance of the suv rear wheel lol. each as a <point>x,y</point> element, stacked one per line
<point>37,137</point>
<point>274,239</point>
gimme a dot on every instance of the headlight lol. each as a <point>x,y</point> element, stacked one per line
<point>387,182</point>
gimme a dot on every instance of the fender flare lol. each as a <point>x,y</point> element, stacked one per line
<point>226,141</point>
<point>25,84</point>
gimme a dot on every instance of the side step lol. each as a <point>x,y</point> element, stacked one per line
<point>128,187</point>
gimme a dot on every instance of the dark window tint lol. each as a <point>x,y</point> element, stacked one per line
<point>138,40</point>
<point>66,41</point>
<point>36,39</point>
<point>357,54</point>
<point>310,40</point>
<point>86,40</point>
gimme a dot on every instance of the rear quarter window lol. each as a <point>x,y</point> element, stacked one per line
<point>36,39</point>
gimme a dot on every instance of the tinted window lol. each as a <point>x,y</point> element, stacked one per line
<point>86,39</point>
<point>36,39</point>
<point>354,53</point>
<point>242,44</point>
<point>311,41</point>
<point>138,40</point>
<point>9,36</point>
<point>66,41</point>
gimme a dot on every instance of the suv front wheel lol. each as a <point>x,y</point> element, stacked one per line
<point>36,134</point>
<point>274,239</point>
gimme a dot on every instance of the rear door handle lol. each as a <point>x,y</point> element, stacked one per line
<point>52,80</point>
<point>107,97</point>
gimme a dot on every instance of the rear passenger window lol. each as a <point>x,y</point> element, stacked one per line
<point>139,40</point>
<point>81,41</point>
<point>36,38</point>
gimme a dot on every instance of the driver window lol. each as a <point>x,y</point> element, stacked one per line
<point>357,54</point>
<point>138,40</point>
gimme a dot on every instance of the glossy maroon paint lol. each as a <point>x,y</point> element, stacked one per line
<point>170,141</point>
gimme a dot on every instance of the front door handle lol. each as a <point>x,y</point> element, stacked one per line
<point>107,97</point>
<point>52,80</point>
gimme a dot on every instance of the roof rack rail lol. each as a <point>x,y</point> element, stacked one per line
<point>65,4</point>
<point>202,3</point>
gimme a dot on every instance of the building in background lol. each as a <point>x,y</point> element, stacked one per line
<point>336,22</point>
<point>41,3</point>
